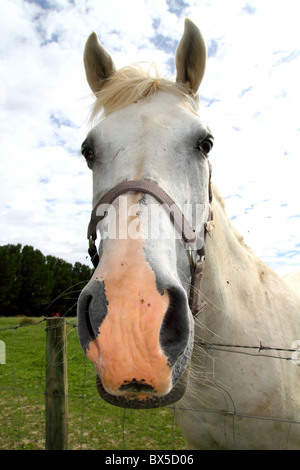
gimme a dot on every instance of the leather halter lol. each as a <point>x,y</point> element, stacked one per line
<point>188,234</point>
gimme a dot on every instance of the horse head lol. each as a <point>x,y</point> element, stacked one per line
<point>148,152</point>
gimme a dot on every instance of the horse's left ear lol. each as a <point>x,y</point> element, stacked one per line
<point>191,57</point>
<point>97,62</point>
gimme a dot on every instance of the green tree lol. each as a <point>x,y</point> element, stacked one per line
<point>81,273</point>
<point>37,282</point>
<point>32,284</point>
<point>61,294</point>
<point>10,278</point>
<point>80,277</point>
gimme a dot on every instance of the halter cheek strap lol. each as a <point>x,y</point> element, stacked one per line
<point>188,234</point>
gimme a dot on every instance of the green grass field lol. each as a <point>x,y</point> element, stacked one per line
<point>92,423</point>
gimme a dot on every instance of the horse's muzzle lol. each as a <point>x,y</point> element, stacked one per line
<point>141,348</point>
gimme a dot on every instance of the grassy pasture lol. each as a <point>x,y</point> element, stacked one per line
<point>92,423</point>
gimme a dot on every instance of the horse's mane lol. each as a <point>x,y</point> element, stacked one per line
<point>132,83</point>
<point>221,203</point>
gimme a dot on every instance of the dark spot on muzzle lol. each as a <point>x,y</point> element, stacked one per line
<point>91,311</point>
<point>136,386</point>
<point>149,400</point>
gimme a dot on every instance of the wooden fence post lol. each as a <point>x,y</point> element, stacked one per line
<point>56,385</point>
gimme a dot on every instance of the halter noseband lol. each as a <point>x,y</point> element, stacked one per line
<point>188,234</point>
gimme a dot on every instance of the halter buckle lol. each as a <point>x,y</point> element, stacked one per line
<point>91,242</point>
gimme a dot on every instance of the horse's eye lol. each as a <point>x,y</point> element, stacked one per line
<point>206,145</point>
<point>87,152</point>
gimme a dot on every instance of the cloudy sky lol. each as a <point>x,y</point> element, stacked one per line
<point>250,97</point>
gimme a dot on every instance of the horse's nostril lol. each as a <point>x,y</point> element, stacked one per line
<point>87,317</point>
<point>175,331</point>
<point>91,311</point>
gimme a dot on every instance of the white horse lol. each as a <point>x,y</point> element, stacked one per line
<point>137,317</point>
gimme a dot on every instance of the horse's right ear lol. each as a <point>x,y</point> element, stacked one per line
<point>191,57</point>
<point>97,62</point>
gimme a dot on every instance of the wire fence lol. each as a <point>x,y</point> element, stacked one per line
<point>93,424</point>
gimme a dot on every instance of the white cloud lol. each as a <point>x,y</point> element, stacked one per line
<point>250,98</point>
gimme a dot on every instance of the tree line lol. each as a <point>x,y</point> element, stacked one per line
<point>32,284</point>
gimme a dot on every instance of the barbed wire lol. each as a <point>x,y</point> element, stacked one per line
<point>235,348</point>
<point>25,324</point>
<point>205,344</point>
<point>19,391</point>
<point>254,351</point>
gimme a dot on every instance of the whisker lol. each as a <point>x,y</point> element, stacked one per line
<point>62,294</point>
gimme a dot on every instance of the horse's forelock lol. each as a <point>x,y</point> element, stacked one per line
<point>130,84</point>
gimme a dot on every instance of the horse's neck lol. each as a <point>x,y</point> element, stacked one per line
<point>240,290</point>
<point>226,260</point>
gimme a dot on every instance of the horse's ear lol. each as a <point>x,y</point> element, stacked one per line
<point>98,63</point>
<point>191,57</point>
